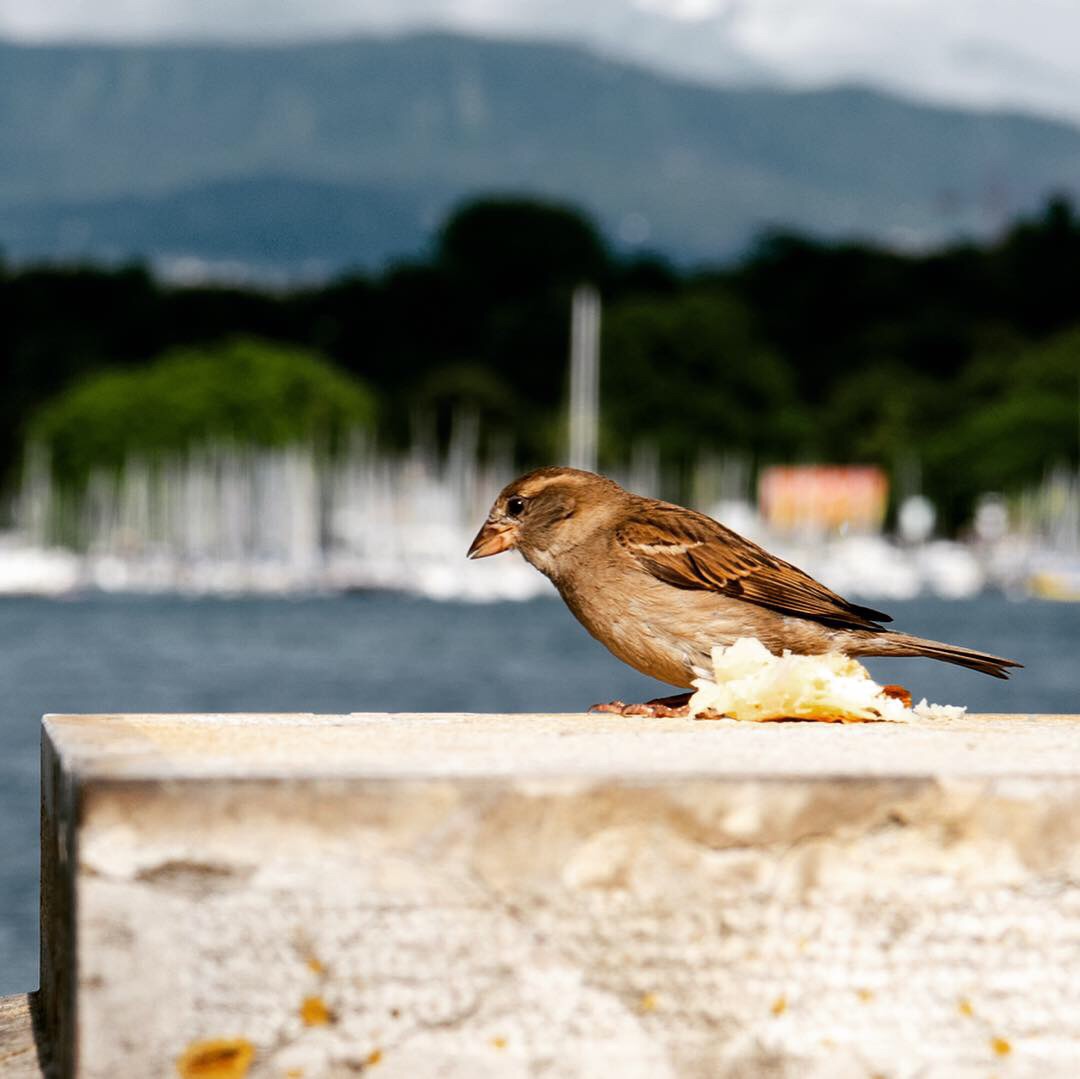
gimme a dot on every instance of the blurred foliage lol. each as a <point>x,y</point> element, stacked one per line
<point>514,248</point>
<point>244,391</point>
<point>878,413</point>
<point>464,389</point>
<point>965,358</point>
<point>1015,414</point>
<point>689,373</point>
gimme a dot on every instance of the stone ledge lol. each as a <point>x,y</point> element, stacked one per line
<point>371,745</point>
<point>565,895</point>
<point>18,1042</point>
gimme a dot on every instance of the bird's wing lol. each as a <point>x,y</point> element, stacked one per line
<point>689,550</point>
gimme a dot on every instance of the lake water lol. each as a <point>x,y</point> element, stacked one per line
<point>377,652</point>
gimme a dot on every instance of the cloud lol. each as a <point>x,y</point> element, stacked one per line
<point>691,10</point>
<point>975,52</point>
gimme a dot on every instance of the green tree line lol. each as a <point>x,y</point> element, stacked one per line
<point>966,359</point>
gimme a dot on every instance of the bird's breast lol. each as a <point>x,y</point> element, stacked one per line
<point>634,616</point>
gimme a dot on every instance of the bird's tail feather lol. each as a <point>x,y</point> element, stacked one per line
<point>903,644</point>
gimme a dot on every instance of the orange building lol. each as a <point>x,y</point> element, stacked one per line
<point>823,498</point>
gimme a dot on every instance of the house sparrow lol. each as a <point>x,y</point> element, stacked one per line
<point>660,585</point>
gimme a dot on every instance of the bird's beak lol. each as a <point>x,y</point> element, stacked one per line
<point>493,538</point>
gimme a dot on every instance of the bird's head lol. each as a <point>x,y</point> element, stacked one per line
<point>545,513</point>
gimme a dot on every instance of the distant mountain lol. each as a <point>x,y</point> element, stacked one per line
<point>260,229</point>
<point>322,155</point>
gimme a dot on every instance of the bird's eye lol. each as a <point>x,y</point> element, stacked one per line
<point>515,506</point>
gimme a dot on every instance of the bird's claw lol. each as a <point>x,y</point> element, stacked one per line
<point>677,707</point>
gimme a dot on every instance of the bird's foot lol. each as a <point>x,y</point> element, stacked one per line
<point>677,706</point>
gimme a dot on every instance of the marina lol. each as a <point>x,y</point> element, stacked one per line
<point>228,521</point>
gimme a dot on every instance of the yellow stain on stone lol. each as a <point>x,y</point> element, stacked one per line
<point>779,1006</point>
<point>373,1057</point>
<point>315,966</point>
<point>294,1073</point>
<point>866,995</point>
<point>648,1002</point>
<point>314,1012</point>
<point>499,1042</point>
<point>1000,1046</point>
<point>963,1006</point>
<point>219,1058</point>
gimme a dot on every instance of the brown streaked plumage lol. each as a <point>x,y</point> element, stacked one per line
<point>660,585</point>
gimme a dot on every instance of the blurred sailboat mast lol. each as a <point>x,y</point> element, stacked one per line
<point>584,377</point>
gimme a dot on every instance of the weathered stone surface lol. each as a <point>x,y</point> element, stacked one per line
<point>566,896</point>
<point>19,1057</point>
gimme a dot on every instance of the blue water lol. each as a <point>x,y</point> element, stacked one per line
<point>387,652</point>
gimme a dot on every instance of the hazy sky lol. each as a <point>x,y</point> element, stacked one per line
<point>981,52</point>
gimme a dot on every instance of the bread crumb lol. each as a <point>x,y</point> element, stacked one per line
<point>750,683</point>
<point>219,1058</point>
<point>314,1012</point>
<point>938,711</point>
